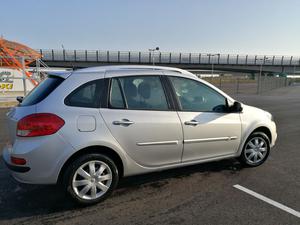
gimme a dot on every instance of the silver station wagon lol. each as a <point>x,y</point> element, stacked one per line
<point>88,128</point>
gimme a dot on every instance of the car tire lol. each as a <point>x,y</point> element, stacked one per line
<point>256,150</point>
<point>90,179</point>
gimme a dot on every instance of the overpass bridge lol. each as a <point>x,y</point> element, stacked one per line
<point>268,64</point>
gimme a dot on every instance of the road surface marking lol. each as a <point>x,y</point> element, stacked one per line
<point>268,200</point>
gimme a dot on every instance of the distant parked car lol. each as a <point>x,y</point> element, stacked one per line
<point>88,128</point>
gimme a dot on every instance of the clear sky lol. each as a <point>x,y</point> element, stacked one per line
<point>225,26</point>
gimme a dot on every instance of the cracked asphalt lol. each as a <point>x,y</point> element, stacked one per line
<point>201,194</point>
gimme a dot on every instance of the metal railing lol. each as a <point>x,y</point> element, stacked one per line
<point>166,57</point>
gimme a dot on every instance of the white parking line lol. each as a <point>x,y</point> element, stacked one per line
<point>268,200</point>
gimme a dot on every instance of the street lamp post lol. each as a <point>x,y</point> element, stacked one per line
<point>24,75</point>
<point>260,72</point>
<point>212,62</point>
<point>152,50</point>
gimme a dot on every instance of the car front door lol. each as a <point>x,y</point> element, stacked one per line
<point>142,120</point>
<point>209,130</point>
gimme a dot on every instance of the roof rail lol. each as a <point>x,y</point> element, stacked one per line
<point>133,67</point>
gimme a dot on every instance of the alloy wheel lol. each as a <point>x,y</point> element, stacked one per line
<point>92,180</point>
<point>256,150</point>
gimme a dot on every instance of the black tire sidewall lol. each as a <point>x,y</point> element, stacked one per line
<point>68,177</point>
<point>253,135</point>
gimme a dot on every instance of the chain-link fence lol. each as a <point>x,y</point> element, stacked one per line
<point>240,85</point>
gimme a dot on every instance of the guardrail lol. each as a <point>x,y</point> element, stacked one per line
<point>166,57</point>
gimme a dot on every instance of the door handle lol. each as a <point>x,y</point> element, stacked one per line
<point>192,123</point>
<point>123,122</point>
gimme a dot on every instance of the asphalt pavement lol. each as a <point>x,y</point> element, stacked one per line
<point>201,194</point>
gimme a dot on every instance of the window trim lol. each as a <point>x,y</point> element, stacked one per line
<point>165,90</point>
<point>178,103</point>
<point>110,106</point>
<point>168,93</point>
<point>171,90</point>
<point>104,100</point>
<point>98,98</point>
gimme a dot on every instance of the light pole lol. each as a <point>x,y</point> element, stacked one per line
<point>64,51</point>
<point>24,75</point>
<point>152,50</point>
<point>265,59</point>
<point>212,62</point>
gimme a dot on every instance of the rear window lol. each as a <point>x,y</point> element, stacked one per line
<point>41,91</point>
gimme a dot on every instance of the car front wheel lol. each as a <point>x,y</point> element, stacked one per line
<point>256,149</point>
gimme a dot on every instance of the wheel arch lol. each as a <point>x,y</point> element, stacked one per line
<point>93,149</point>
<point>261,128</point>
<point>264,130</point>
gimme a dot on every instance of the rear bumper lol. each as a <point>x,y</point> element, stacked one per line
<point>45,157</point>
<point>18,169</point>
<point>13,168</point>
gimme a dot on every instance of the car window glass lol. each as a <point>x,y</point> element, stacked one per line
<point>195,96</point>
<point>41,91</point>
<point>87,95</point>
<point>142,92</point>
<point>116,99</point>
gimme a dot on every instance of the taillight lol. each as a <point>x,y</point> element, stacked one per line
<point>39,124</point>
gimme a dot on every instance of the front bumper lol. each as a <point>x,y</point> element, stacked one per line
<point>274,134</point>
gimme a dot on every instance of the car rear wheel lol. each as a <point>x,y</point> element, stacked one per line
<point>256,150</point>
<point>91,178</point>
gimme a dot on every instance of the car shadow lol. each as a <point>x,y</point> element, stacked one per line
<point>22,200</point>
<point>230,165</point>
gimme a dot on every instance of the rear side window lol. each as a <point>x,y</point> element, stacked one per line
<point>41,91</point>
<point>138,92</point>
<point>87,95</point>
<point>116,98</point>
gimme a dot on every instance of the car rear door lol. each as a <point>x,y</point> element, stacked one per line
<point>140,117</point>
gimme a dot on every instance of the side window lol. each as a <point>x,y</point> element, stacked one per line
<point>116,98</point>
<point>138,92</point>
<point>195,96</point>
<point>87,95</point>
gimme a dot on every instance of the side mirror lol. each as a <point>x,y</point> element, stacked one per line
<point>236,107</point>
<point>20,99</point>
